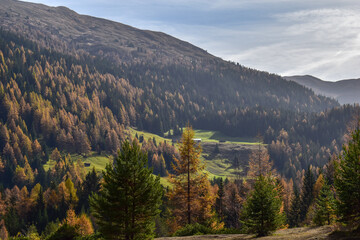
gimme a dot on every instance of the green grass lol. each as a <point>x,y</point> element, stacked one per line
<point>165,182</point>
<point>95,160</point>
<point>215,136</point>
<point>218,167</point>
<point>148,135</point>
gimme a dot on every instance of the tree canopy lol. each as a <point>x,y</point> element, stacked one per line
<point>130,197</point>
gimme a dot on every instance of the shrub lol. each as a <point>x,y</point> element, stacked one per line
<point>65,232</point>
<point>193,229</point>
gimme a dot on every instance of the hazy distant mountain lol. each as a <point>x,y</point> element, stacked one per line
<point>345,91</point>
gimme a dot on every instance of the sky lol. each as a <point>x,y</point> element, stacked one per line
<point>286,37</point>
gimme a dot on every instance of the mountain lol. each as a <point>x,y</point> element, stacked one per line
<point>77,83</point>
<point>155,61</point>
<point>64,30</point>
<point>345,91</point>
<point>74,87</point>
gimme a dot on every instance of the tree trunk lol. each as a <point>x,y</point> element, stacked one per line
<point>188,190</point>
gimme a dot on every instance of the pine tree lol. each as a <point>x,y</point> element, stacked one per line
<point>347,180</point>
<point>325,206</point>
<point>130,197</point>
<point>190,197</point>
<point>261,214</point>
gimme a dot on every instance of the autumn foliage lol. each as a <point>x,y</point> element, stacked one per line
<point>191,197</point>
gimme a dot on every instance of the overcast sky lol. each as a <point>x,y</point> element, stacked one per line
<point>287,37</point>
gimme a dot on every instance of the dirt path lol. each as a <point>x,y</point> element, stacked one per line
<point>294,233</point>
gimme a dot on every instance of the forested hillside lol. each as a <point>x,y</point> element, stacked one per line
<point>64,101</point>
<point>73,84</point>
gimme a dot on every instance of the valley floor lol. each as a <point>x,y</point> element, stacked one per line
<point>303,233</point>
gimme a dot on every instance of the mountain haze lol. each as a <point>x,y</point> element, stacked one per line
<point>345,91</point>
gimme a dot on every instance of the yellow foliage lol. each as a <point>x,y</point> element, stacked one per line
<point>318,186</point>
<point>82,224</point>
<point>191,195</point>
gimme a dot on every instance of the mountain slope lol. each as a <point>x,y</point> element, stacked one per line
<point>345,91</point>
<point>157,63</point>
<point>58,92</point>
<point>64,29</point>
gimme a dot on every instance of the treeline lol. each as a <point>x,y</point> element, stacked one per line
<point>259,204</point>
<point>40,202</point>
<point>295,140</point>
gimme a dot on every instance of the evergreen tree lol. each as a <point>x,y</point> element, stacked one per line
<point>294,214</point>
<point>261,214</point>
<point>347,180</point>
<point>219,200</point>
<point>90,185</point>
<point>325,206</point>
<point>306,193</point>
<point>130,197</point>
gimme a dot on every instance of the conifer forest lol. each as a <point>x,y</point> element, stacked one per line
<point>99,138</point>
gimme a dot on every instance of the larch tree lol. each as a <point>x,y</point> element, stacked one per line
<point>129,200</point>
<point>232,205</point>
<point>259,163</point>
<point>190,197</point>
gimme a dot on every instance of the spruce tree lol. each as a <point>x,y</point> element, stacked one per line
<point>294,214</point>
<point>130,197</point>
<point>90,185</point>
<point>306,193</point>
<point>347,180</point>
<point>325,206</point>
<point>261,213</point>
<point>219,205</point>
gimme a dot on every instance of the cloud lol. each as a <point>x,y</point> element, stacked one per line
<point>322,42</point>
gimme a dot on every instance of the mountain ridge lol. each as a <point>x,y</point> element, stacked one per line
<point>64,25</point>
<point>345,91</point>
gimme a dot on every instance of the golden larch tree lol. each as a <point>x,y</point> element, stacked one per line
<point>259,164</point>
<point>190,197</point>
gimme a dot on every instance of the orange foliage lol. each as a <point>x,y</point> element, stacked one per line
<point>191,197</point>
